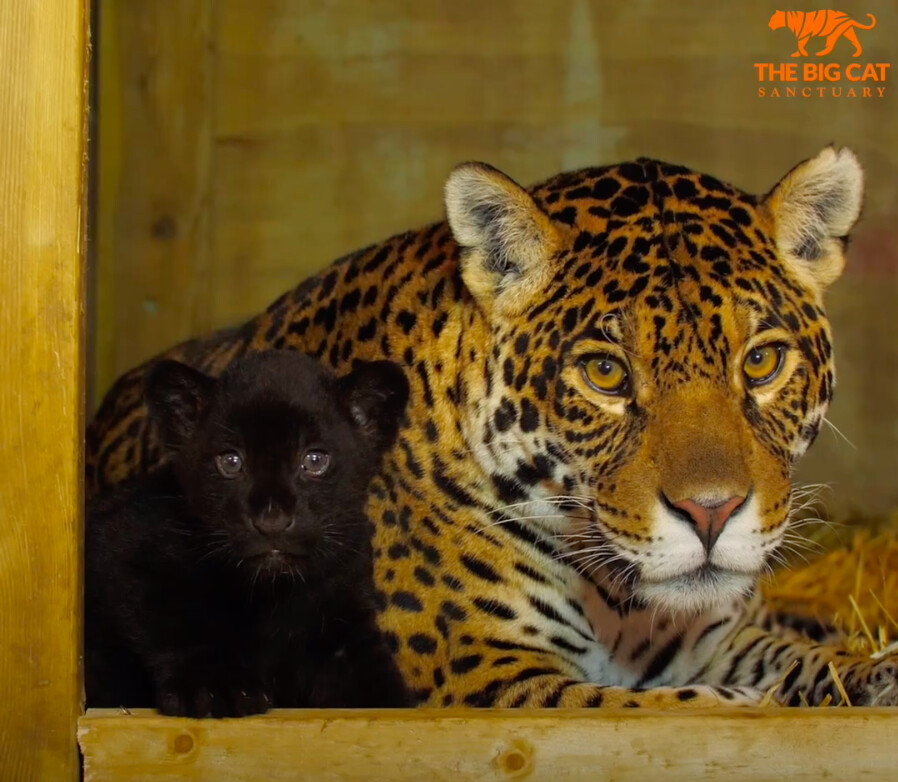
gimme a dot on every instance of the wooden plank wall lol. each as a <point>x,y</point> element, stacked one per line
<point>42,219</point>
<point>246,143</point>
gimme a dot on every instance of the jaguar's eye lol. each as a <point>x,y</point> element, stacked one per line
<point>605,374</point>
<point>229,463</point>
<point>315,462</point>
<point>762,364</point>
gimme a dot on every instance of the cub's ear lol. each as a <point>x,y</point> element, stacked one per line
<point>814,207</point>
<point>177,396</point>
<point>375,393</point>
<point>506,239</point>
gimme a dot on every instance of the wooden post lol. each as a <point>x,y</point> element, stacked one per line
<point>42,218</point>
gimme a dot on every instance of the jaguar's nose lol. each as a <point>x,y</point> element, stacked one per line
<point>708,519</point>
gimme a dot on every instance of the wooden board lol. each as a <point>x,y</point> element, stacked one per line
<point>42,219</point>
<point>460,745</point>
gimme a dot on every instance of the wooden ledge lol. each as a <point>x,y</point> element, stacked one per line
<point>556,744</point>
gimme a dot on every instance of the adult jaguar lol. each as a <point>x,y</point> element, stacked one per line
<point>613,374</point>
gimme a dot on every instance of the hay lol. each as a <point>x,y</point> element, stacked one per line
<point>769,698</point>
<point>853,586</point>
<point>833,671</point>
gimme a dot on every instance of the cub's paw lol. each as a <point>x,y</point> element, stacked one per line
<point>207,699</point>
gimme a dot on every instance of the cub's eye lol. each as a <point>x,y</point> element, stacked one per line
<point>605,374</point>
<point>315,462</point>
<point>762,364</point>
<point>229,463</point>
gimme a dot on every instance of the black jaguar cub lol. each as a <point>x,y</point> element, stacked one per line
<point>238,576</point>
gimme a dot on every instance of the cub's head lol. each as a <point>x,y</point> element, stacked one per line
<point>276,455</point>
<point>660,359</point>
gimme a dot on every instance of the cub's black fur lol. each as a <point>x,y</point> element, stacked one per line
<point>238,576</point>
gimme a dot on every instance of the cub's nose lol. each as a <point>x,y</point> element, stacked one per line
<point>709,519</point>
<point>269,524</point>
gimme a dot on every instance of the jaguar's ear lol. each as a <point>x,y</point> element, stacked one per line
<point>814,207</point>
<point>506,239</point>
<point>177,396</point>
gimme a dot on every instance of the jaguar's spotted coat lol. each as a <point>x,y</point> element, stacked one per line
<point>592,472</point>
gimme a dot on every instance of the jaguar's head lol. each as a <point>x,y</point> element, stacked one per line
<point>659,359</point>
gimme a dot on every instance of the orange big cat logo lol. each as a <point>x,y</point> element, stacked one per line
<point>831,25</point>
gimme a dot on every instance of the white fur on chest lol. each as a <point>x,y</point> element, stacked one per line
<point>645,646</point>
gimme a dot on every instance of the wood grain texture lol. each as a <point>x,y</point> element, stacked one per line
<point>42,179</point>
<point>459,745</point>
<point>153,196</point>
